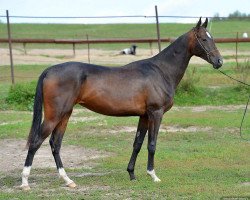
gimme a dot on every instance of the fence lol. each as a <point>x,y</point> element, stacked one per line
<point>25,41</point>
<point>87,41</point>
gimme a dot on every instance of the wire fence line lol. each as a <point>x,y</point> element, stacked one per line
<point>115,17</point>
<point>103,17</point>
<point>120,16</point>
<point>142,18</point>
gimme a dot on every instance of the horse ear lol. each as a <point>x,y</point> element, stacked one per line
<point>199,23</point>
<point>205,23</point>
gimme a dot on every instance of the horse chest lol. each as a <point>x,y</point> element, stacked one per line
<point>168,104</point>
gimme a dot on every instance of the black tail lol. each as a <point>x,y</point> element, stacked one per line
<point>35,131</point>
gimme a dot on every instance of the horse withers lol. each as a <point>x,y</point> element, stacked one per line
<point>143,88</point>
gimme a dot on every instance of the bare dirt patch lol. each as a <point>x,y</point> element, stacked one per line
<point>228,108</point>
<point>97,56</point>
<point>170,129</point>
<point>54,56</point>
<point>13,154</point>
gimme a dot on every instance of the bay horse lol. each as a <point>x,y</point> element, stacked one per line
<point>144,88</point>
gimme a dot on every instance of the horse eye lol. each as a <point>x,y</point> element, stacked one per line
<point>204,39</point>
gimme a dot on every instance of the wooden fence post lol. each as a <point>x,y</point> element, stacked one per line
<point>10,48</point>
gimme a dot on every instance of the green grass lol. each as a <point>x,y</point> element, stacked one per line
<point>192,165</point>
<point>102,31</point>
<point>218,29</point>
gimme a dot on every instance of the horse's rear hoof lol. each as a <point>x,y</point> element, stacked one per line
<point>25,187</point>
<point>71,185</point>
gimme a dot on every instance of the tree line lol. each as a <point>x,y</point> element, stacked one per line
<point>236,15</point>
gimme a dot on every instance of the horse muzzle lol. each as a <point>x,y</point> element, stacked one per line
<point>218,63</point>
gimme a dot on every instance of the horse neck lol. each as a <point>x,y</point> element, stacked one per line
<point>174,60</point>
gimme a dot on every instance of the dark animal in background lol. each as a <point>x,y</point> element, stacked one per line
<point>129,51</point>
<point>144,88</point>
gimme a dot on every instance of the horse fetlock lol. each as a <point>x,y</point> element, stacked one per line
<point>153,175</point>
<point>68,181</point>
<point>25,175</point>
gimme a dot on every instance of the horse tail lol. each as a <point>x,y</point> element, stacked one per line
<point>35,131</point>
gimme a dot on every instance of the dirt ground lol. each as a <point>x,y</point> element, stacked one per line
<point>102,57</point>
<point>13,154</point>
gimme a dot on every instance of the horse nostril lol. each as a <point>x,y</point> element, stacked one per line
<point>220,61</point>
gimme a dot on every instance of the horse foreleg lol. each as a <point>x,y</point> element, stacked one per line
<point>154,125</point>
<point>139,137</point>
<point>55,143</point>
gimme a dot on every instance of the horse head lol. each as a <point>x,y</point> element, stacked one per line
<point>203,45</point>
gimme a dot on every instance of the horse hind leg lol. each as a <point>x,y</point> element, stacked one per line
<point>47,128</point>
<point>55,143</point>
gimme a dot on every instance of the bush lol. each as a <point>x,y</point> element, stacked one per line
<point>189,82</point>
<point>21,95</point>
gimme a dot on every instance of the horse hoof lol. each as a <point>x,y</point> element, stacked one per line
<point>132,177</point>
<point>25,187</point>
<point>157,180</point>
<point>71,185</point>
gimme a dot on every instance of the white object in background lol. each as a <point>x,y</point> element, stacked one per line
<point>245,35</point>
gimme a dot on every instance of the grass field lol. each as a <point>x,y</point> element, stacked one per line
<point>102,31</point>
<point>209,163</point>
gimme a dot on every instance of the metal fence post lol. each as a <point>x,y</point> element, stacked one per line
<point>10,48</point>
<point>236,50</point>
<point>151,50</point>
<point>74,49</point>
<point>158,29</point>
<point>88,48</point>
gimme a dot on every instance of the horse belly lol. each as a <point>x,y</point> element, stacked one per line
<point>114,103</point>
<point>114,107</point>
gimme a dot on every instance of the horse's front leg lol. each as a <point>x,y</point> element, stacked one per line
<point>155,118</point>
<point>139,137</point>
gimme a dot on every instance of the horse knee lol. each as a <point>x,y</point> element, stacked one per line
<point>151,148</point>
